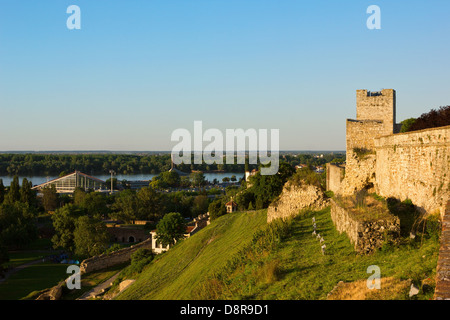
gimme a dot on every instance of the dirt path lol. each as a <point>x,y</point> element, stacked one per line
<point>99,289</point>
<point>18,268</point>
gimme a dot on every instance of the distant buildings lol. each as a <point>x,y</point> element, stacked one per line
<point>77,179</point>
<point>248,174</point>
<point>198,223</point>
<point>231,206</point>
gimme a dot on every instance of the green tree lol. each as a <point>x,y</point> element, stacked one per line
<point>50,198</point>
<point>95,205</point>
<point>149,204</point>
<point>200,205</point>
<point>64,222</point>
<point>17,227</point>
<point>14,191</point>
<point>125,206</point>
<point>216,209</point>
<point>197,179</point>
<point>78,196</point>
<point>170,178</point>
<point>406,124</point>
<point>90,237</point>
<point>170,228</point>
<point>27,195</point>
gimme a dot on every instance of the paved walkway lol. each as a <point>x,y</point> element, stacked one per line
<point>442,291</point>
<point>99,289</point>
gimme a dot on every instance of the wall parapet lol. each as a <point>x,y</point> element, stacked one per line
<point>114,258</point>
<point>415,165</point>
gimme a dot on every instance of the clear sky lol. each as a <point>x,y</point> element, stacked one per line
<point>137,70</point>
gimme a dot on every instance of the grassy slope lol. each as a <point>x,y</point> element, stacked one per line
<point>176,273</point>
<point>296,269</point>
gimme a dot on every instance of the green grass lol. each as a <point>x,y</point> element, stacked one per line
<point>242,264</point>
<point>91,280</point>
<point>302,272</point>
<point>176,273</point>
<point>18,258</point>
<point>33,278</point>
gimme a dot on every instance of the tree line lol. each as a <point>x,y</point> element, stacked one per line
<point>96,164</point>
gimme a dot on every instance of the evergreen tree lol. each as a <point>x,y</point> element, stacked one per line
<point>50,198</point>
<point>26,193</point>
<point>14,191</point>
<point>2,191</point>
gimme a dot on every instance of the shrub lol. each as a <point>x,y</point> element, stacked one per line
<point>139,259</point>
<point>306,176</point>
<point>362,153</point>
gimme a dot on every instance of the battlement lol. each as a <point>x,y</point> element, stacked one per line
<point>377,105</point>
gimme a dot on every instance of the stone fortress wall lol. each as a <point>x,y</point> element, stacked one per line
<point>415,165</point>
<point>412,165</point>
<point>117,257</point>
<point>294,198</point>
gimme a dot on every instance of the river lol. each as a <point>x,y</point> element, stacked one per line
<point>36,180</point>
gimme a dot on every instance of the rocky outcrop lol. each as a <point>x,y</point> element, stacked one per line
<point>295,198</point>
<point>54,293</point>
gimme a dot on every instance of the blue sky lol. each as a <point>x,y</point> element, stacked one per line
<point>137,70</point>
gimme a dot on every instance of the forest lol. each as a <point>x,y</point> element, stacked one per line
<point>35,164</point>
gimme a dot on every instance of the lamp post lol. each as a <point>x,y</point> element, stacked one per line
<point>112,172</point>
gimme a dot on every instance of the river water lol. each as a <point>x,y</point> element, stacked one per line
<point>36,180</point>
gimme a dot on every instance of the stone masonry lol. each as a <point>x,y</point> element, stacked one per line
<point>412,165</point>
<point>366,236</point>
<point>442,291</point>
<point>117,257</point>
<point>295,198</point>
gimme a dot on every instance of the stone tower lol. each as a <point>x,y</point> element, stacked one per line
<point>377,106</point>
<point>375,117</point>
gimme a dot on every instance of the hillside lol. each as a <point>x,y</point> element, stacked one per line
<point>176,273</point>
<point>239,256</point>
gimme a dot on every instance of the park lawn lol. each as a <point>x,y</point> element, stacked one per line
<point>32,278</point>
<point>18,258</point>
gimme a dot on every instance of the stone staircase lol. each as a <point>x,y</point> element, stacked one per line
<point>442,291</point>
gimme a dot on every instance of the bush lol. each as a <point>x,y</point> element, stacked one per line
<point>216,209</point>
<point>113,248</point>
<point>306,176</point>
<point>139,259</point>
